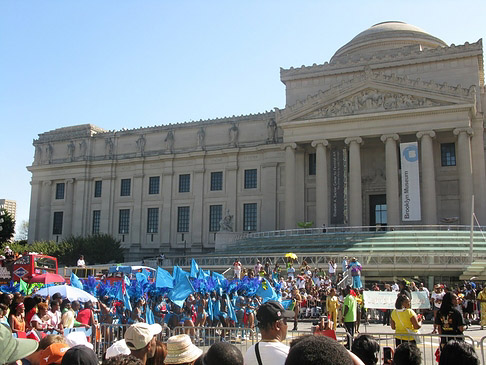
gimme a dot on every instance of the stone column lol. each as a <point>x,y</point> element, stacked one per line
<point>167,228</point>
<point>479,182</point>
<point>197,226</point>
<point>138,229</point>
<point>68,208</point>
<point>391,165</point>
<point>269,202</point>
<point>427,169</point>
<point>464,169</point>
<point>45,216</point>
<point>290,185</point>
<point>355,198</point>
<point>322,190</point>
<point>34,215</point>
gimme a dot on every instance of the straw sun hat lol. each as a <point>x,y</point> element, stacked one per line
<point>180,350</point>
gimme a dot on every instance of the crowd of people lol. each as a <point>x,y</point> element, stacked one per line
<point>141,346</point>
<point>333,297</point>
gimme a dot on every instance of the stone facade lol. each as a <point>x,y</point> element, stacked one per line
<point>165,188</point>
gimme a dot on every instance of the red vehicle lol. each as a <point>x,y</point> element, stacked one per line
<point>32,264</point>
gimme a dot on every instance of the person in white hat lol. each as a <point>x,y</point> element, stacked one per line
<point>181,350</point>
<point>140,339</point>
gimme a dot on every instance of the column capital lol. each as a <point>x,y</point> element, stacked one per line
<point>430,133</point>
<point>291,145</point>
<point>467,130</point>
<point>323,142</point>
<point>358,140</point>
<point>47,182</point>
<point>392,136</point>
<point>70,181</point>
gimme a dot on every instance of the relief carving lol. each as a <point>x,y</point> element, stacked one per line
<point>369,101</point>
<point>49,152</point>
<point>38,155</point>
<point>82,148</point>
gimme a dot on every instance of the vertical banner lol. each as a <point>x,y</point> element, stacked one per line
<point>410,182</point>
<point>338,185</point>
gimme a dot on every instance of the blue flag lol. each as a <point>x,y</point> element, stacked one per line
<point>286,303</point>
<point>76,282</point>
<point>231,310</point>
<point>149,315</point>
<point>182,287</point>
<point>141,279</point>
<point>266,292</point>
<point>126,301</point>
<point>164,279</point>
<point>194,269</point>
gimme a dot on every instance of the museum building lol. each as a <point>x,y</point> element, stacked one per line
<point>389,132</point>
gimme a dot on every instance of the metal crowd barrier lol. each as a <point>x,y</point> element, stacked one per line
<point>244,338</point>
<point>427,343</point>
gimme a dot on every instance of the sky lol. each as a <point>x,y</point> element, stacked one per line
<point>128,64</point>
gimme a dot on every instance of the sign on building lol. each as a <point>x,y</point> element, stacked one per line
<point>339,182</point>
<point>410,182</point>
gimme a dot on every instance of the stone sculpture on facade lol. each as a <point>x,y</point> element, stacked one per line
<point>38,155</point>
<point>169,142</point>
<point>201,138</point>
<point>70,148</point>
<point>272,131</point>
<point>109,147</point>
<point>141,144</point>
<point>233,135</point>
<point>226,224</point>
<point>82,148</point>
<point>49,152</point>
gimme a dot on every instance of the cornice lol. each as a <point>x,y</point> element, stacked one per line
<point>400,55</point>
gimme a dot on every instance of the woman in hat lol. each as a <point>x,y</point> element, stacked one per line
<point>180,350</point>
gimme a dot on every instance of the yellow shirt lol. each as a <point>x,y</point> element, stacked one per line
<point>403,322</point>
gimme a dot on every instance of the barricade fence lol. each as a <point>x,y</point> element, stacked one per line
<point>244,338</point>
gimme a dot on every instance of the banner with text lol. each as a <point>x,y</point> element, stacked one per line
<point>387,299</point>
<point>410,182</point>
<point>338,186</point>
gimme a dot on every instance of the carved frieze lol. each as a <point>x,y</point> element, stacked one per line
<point>371,101</point>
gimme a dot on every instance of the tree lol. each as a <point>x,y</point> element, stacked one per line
<point>7,226</point>
<point>23,233</point>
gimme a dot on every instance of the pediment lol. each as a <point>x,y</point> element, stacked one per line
<point>374,93</point>
<point>371,100</point>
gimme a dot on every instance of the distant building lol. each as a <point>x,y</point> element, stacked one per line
<point>389,132</point>
<point>10,206</point>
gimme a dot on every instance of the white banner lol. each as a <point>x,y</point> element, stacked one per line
<point>410,182</point>
<point>387,299</point>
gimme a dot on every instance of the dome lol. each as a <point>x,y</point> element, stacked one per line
<point>385,36</point>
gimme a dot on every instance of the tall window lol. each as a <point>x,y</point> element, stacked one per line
<point>183,219</point>
<point>125,187</point>
<point>57,223</point>
<point>216,181</point>
<point>96,222</point>
<point>124,221</point>
<point>97,188</point>
<point>251,179</point>
<point>312,163</point>
<point>448,154</point>
<point>60,191</point>
<point>152,220</point>
<point>250,217</point>
<point>380,214</point>
<point>184,183</point>
<point>215,216</point>
<point>154,185</point>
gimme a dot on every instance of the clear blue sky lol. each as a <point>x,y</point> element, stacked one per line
<point>126,64</point>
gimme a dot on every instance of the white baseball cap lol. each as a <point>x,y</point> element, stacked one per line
<point>139,335</point>
<point>118,348</point>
